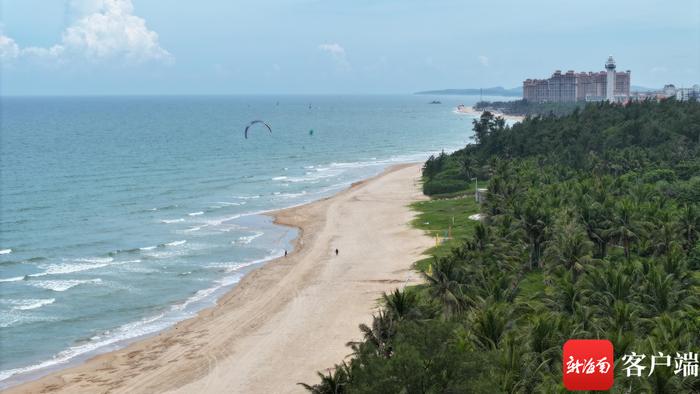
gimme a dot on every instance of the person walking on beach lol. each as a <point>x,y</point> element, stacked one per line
<point>285,253</point>
<point>336,252</point>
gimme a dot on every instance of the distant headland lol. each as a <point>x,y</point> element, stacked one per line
<point>494,91</point>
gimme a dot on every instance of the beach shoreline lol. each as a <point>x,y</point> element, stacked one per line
<point>469,110</point>
<point>261,324</point>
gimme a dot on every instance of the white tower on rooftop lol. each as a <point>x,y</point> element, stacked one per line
<point>610,82</point>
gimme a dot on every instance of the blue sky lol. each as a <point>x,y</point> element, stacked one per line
<point>359,46</point>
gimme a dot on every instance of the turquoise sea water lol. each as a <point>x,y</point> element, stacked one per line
<point>122,215</point>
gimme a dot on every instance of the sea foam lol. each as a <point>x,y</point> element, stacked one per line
<point>28,304</point>
<point>12,279</point>
<point>170,221</point>
<point>62,285</point>
<point>248,238</point>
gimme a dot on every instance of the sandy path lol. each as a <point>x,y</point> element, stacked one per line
<point>286,320</point>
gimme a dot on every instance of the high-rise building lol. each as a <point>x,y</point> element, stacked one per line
<point>571,86</point>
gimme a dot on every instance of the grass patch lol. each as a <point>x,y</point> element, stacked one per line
<point>438,216</point>
<point>531,288</point>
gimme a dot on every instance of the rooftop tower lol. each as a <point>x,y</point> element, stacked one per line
<point>610,82</point>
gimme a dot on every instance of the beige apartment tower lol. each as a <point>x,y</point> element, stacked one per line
<point>571,86</point>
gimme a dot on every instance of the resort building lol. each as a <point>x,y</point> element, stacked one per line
<point>686,94</point>
<point>572,86</point>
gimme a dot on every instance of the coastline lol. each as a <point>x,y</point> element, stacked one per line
<point>259,327</point>
<point>468,110</point>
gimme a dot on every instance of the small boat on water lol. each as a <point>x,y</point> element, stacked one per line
<point>435,102</point>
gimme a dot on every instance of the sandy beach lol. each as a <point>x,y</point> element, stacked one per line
<point>468,110</point>
<point>285,320</point>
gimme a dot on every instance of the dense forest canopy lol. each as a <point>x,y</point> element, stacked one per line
<point>525,108</point>
<point>641,138</point>
<point>591,230</point>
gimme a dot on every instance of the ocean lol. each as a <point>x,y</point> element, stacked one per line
<point>120,216</point>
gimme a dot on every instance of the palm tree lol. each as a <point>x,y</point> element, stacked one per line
<point>543,336</point>
<point>488,324</point>
<point>466,166</point>
<point>493,285</point>
<point>663,293</point>
<point>569,248</point>
<point>401,304</point>
<point>665,236</point>
<point>689,223</point>
<point>534,221</point>
<point>481,236</point>
<point>565,295</point>
<point>585,322</point>
<point>379,336</point>
<point>333,383</point>
<point>444,285</point>
<point>606,283</point>
<point>624,226</point>
<point>621,316</point>
<point>595,219</point>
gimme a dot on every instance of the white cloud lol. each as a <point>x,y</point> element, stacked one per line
<point>483,60</point>
<point>337,52</point>
<point>335,49</point>
<point>107,30</point>
<point>8,48</point>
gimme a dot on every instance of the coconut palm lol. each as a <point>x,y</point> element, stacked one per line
<point>379,336</point>
<point>605,283</point>
<point>565,295</point>
<point>569,249</point>
<point>542,336</point>
<point>665,234</point>
<point>334,382</point>
<point>595,218</point>
<point>444,285</point>
<point>689,223</point>
<point>401,304</point>
<point>488,324</point>
<point>482,236</point>
<point>661,292</point>
<point>625,226</point>
<point>467,166</point>
<point>534,221</point>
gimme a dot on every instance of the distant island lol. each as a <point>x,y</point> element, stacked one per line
<point>494,91</point>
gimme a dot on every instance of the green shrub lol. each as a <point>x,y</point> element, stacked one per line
<point>442,186</point>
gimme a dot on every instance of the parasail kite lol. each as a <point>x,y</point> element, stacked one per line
<point>254,122</point>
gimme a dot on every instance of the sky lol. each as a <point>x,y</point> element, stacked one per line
<point>105,47</point>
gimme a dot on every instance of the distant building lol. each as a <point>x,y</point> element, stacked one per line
<point>686,94</point>
<point>669,90</point>
<point>572,86</point>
